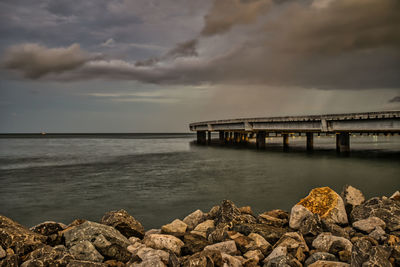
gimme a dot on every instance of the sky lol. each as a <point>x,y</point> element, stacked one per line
<point>157,65</point>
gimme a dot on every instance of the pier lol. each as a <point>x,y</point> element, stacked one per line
<point>240,131</point>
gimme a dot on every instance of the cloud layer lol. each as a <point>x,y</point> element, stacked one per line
<point>334,44</point>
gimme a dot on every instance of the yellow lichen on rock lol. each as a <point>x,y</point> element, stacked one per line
<point>320,201</point>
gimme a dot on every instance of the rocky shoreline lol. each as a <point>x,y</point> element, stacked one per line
<point>323,229</point>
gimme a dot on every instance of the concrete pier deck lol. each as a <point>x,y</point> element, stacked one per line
<point>343,125</point>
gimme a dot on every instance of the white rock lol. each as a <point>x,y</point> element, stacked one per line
<point>324,242</point>
<point>228,247</point>
<point>329,264</point>
<point>352,196</point>
<point>177,228</point>
<point>369,224</point>
<point>160,241</point>
<point>193,219</point>
<point>297,215</point>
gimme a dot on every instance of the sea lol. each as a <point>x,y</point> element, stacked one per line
<point>160,177</point>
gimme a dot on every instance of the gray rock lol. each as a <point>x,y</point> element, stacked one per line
<point>379,256</point>
<point>193,244</point>
<point>176,228</point>
<point>228,247</point>
<point>352,197</point>
<point>386,209</point>
<point>311,225</point>
<point>297,215</point>
<point>317,256</point>
<point>378,234</point>
<point>360,252</point>
<point>13,235</point>
<point>3,253</point>
<point>107,240</point>
<point>369,224</point>
<point>193,219</point>
<point>164,242</point>
<point>124,223</point>
<point>283,261</point>
<point>277,252</point>
<point>147,254</point>
<point>325,241</point>
<point>322,263</point>
<point>86,251</point>
<point>48,256</point>
<point>80,263</point>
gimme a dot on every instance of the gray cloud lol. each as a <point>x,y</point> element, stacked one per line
<point>395,99</point>
<point>35,61</point>
<point>333,44</point>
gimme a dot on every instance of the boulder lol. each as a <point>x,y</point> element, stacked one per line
<point>396,196</point>
<point>323,263</point>
<point>124,223</point>
<point>216,235</point>
<point>379,256</point>
<point>81,263</point>
<point>153,262</point>
<point>212,214</point>
<point>202,228</point>
<point>146,253</point>
<point>106,239</point>
<point>176,228</point>
<point>193,244</point>
<point>386,209</point>
<point>311,225</point>
<point>369,224</point>
<point>352,197</point>
<point>255,255</point>
<point>327,204</point>
<point>48,256</point>
<point>297,215</point>
<point>85,250</point>
<point>244,243</point>
<point>360,252</point>
<point>14,235</point>
<point>278,218</point>
<point>193,219</point>
<point>228,247</point>
<point>205,258</point>
<point>317,256</point>
<point>230,261</point>
<point>10,261</point>
<point>227,212</point>
<point>269,233</point>
<point>3,253</point>
<point>336,229</point>
<point>277,252</point>
<point>260,243</point>
<point>246,210</point>
<point>325,241</point>
<point>51,230</point>
<point>152,231</point>
<point>283,261</point>
<point>164,242</point>
<point>292,241</point>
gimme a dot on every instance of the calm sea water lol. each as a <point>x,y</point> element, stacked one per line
<point>158,178</point>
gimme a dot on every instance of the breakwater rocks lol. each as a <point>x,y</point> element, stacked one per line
<point>323,229</point>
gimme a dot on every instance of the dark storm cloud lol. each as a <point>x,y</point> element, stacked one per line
<point>395,99</point>
<point>332,44</point>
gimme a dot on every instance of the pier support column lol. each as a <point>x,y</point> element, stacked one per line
<point>310,141</point>
<point>260,140</point>
<point>285,138</point>
<point>343,142</point>
<point>201,137</point>
<point>208,137</point>
<point>221,137</point>
<point>231,137</point>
